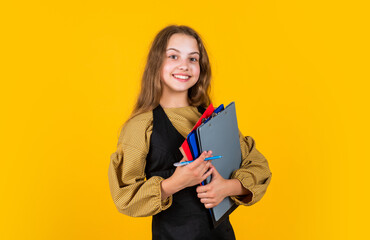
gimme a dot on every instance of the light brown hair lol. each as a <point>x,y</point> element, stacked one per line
<point>151,86</point>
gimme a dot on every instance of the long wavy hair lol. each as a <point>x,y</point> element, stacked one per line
<point>151,84</point>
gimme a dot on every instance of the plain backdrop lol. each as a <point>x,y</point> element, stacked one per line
<point>70,73</point>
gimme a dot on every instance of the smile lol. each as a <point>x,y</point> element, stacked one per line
<point>182,77</point>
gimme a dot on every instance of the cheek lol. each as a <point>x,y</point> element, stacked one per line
<point>167,68</point>
<point>196,71</point>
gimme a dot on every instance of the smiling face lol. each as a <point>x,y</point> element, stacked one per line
<point>180,70</point>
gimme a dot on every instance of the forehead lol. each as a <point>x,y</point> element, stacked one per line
<point>182,42</point>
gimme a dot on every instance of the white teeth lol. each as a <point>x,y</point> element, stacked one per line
<point>181,76</point>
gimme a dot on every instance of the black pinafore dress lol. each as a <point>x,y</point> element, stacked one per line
<point>186,218</point>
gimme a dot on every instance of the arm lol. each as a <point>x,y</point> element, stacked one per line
<point>132,194</point>
<point>254,173</point>
<point>247,184</point>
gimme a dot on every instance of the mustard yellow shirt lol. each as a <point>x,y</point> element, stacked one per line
<point>136,196</point>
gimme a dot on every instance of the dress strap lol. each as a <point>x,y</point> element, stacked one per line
<point>163,124</point>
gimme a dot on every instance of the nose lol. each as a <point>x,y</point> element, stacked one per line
<point>183,65</point>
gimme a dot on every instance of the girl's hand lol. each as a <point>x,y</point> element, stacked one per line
<point>193,173</point>
<point>187,176</point>
<point>214,192</point>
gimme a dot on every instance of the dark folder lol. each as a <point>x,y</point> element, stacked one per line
<point>221,135</point>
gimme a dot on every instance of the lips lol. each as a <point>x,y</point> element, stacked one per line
<point>181,77</point>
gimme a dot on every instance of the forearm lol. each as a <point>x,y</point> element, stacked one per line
<point>235,188</point>
<point>138,199</point>
<point>169,186</point>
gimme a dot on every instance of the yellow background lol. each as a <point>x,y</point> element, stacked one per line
<point>297,70</point>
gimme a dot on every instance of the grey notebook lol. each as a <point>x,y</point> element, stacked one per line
<point>221,135</point>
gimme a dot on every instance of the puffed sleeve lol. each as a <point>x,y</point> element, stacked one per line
<point>132,193</point>
<point>254,172</point>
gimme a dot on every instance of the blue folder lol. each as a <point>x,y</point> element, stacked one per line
<point>192,136</point>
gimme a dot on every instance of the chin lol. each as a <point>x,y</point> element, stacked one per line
<point>182,89</point>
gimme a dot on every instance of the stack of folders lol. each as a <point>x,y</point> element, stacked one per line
<point>217,130</point>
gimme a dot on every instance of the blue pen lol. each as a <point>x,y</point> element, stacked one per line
<point>178,164</point>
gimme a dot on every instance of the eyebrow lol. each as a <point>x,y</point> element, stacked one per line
<point>179,51</point>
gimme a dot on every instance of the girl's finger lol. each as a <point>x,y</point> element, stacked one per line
<point>199,160</point>
<point>208,205</point>
<point>203,167</point>
<point>206,155</point>
<point>209,154</point>
<point>207,174</point>
<point>206,200</point>
<point>202,195</point>
<point>201,189</point>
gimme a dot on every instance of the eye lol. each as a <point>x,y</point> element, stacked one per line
<point>173,56</point>
<point>193,59</point>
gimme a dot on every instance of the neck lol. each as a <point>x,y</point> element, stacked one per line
<point>174,100</point>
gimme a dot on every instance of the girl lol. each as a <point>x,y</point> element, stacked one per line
<point>143,181</point>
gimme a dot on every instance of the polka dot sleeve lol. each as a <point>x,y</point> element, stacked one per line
<point>132,193</point>
<point>254,173</point>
